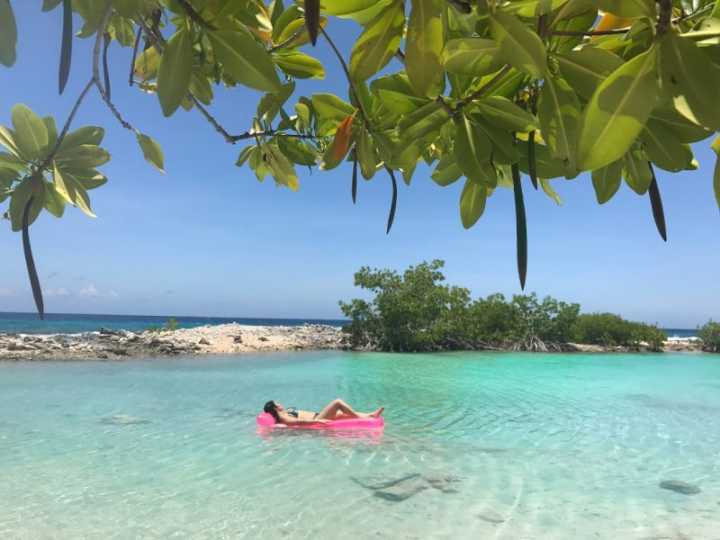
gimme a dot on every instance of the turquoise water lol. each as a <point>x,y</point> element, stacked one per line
<point>481,445</point>
<point>75,323</point>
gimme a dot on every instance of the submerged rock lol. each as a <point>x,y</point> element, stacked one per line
<point>491,517</point>
<point>679,486</point>
<point>123,420</point>
<point>400,489</point>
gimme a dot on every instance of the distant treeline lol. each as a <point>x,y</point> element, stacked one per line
<point>417,311</point>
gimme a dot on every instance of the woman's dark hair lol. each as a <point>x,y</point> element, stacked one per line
<point>271,408</point>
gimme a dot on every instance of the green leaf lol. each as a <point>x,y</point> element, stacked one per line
<point>54,203</point>
<point>396,97</point>
<point>92,12</point>
<point>8,34</point>
<point>504,150</point>
<point>378,43</point>
<point>472,202</point>
<point>716,177</point>
<point>49,5</point>
<point>7,139</point>
<point>690,76</point>
<point>618,111</point>
<point>175,72</point>
<point>72,190</point>
<point>664,148</point>
<point>637,172</point>
<point>281,167</point>
<point>474,57</point>
<point>550,192</point>
<point>682,128</point>
<point>424,47</point>
<point>20,196</point>
<point>425,120</point>
<point>629,8</point>
<point>587,68</point>
<point>330,111</point>
<point>447,171</point>
<point>366,154</point>
<point>559,114</point>
<point>92,135</point>
<point>299,64</point>
<point>51,128</point>
<point>84,156</point>
<point>472,152</point>
<point>200,88</point>
<point>503,113</point>
<point>298,151</point>
<point>152,152</point>
<point>361,11</point>
<point>245,60</point>
<point>271,103</point>
<point>11,162</point>
<point>545,165</point>
<point>31,135</point>
<point>245,154</point>
<point>520,46</point>
<point>606,181</point>
<point>147,64</point>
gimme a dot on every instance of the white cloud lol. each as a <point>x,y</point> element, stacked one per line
<point>6,292</point>
<point>60,291</point>
<point>90,291</point>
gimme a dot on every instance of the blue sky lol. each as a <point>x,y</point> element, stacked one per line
<point>208,239</point>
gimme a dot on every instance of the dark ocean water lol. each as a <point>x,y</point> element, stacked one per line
<point>29,323</point>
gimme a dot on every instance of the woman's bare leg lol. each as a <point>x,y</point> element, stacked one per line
<point>339,410</point>
<point>336,406</point>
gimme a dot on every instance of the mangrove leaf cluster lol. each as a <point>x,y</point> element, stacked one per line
<point>481,91</point>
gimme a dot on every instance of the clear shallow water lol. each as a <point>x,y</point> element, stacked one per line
<point>500,446</point>
<point>73,323</point>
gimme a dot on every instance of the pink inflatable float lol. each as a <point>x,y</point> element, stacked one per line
<point>266,420</point>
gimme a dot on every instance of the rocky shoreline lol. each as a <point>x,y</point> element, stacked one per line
<point>214,340</point>
<point>203,340</point>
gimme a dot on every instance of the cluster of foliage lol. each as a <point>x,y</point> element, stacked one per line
<point>417,311</point>
<point>171,325</point>
<point>612,330</point>
<point>710,336</point>
<point>482,90</point>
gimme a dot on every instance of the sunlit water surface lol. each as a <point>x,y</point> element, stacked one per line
<point>476,446</point>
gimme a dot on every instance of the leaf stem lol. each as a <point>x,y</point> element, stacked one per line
<point>344,65</point>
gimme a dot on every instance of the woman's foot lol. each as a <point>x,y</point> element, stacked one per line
<point>377,413</point>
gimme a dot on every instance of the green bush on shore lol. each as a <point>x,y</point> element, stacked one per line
<point>612,330</point>
<point>710,336</point>
<point>418,311</point>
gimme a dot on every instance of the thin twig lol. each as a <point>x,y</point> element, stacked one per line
<point>344,65</point>
<point>579,33</point>
<point>194,15</point>
<point>114,110</point>
<point>136,47</point>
